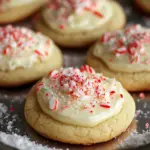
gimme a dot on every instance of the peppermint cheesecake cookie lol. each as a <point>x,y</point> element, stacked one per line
<point>144,5</point>
<point>25,56</point>
<point>15,10</point>
<point>125,56</point>
<point>79,106</point>
<point>76,23</point>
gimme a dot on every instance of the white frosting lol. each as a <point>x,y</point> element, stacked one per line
<point>21,47</point>
<point>80,97</point>
<point>84,17</point>
<point>126,50</point>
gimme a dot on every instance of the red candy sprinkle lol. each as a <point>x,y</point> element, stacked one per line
<point>62,26</point>
<point>105,105</point>
<point>38,53</point>
<point>112,92</point>
<point>11,109</point>
<point>94,12</point>
<point>46,94</point>
<point>91,111</point>
<point>142,95</point>
<point>87,69</point>
<point>121,95</point>
<point>6,51</point>
<point>121,51</point>
<point>147,125</point>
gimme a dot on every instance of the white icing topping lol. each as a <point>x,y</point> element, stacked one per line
<point>21,47</point>
<point>126,50</point>
<point>76,16</point>
<point>80,96</point>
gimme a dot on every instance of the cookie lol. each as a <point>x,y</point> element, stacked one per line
<point>16,10</point>
<point>25,56</point>
<point>143,5</point>
<point>124,55</point>
<point>75,113</point>
<point>75,30</point>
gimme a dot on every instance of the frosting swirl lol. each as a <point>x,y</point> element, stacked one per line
<point>126,50</point>
<point>80,96</point>
<point>21,47</point>
<point>77,15</point>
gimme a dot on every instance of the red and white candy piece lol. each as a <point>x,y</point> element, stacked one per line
<point>147,125</point>
<point>121,95</point>
<point>112,92</point>
<point>96,13</point>
<point>105,104</point>
<point>142,95</point>
<point>38,52</point>
<point>54,74</point>
<point>105,37</point>
<point>121,50</point>
<point>40,86</point>
<point>87,68</point>
<point>53,104</point>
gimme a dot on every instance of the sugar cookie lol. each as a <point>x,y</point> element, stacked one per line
<point>125,56</point>
<point>79,106</point>
<point>25,56</point>
<point>16,10</point>
<point>78,23</point>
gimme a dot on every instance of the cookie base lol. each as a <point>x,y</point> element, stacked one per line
<point>132,82</point>
<point>52,129</point>
<point>84,38</point>
<point>22,76</point>
<point>20,12</point>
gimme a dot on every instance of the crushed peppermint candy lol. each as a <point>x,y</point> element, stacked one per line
<point>14,40</point>
<point>131,42</point>
<point>62,10</point>
<point>147,125</point>
<point>21,47</point>
<point>79,85</point>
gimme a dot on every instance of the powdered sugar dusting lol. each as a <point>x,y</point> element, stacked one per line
<point>3,109</point>
<point>7,121</point>
<point>135,140</point>
<point>21,142</point>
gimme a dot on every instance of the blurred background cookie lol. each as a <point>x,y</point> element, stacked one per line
<point>25,56</point>
<point>125,56</point>
<point>16,10</point>
<point>79,23</point>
